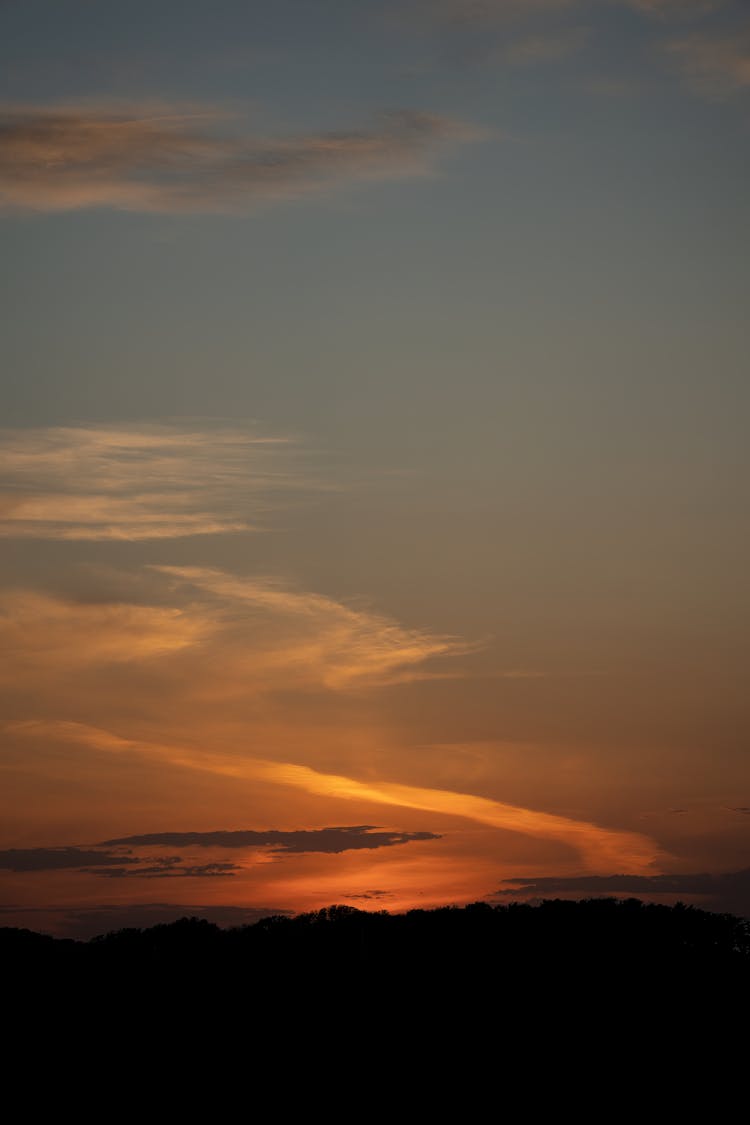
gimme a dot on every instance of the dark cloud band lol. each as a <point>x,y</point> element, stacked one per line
<point>330,840</point>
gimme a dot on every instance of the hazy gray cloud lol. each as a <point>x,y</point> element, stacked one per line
<point>58,859</point>
<point>60,158</point>
<point>724,891</point>
<point>121,864</point>
<point>328,840</point>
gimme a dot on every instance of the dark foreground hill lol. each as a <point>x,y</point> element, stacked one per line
<point>468,999</point>
<point>560,946</point>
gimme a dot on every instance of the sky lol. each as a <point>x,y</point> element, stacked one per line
<point>373,467</point>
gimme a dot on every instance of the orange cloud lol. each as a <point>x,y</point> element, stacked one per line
<point>47,634</point>
<point>601,849</point>
<point>206,638</point>
<point>301,637</point>
<point>60,158</point>
<point>146,482</point>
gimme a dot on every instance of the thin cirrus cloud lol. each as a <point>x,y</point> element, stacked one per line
<point>599,848</point>
<point>49,635</point>
<point>146,482</point>
<point>211,637</point>
<point>168,159</point>
<point>302,637</point>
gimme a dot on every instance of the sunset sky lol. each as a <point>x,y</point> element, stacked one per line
<point>374,461</point>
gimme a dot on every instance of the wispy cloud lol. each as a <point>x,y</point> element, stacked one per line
<point>600,848</point>
<point>303,637</point>
<point>714,65</point>
<point>144,482</point>
<point>48,635</point>
<point>60,158</point>
<point>203,637</point>
<point>596,845</point>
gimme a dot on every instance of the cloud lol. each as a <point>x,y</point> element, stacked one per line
<point>371,895</point>
<point>61,158</point>
<point>328,840</point>
<point>223,639</point>
<point>122,864</point>
<point>168,871</point>
<point>302,637</point>
<point>595,844</point>
<point>600,848</point>
<point>726,891</point>
<point>59,859</point>
<point>715,66</point>
<point>50,635</point>
<point>145,482</point>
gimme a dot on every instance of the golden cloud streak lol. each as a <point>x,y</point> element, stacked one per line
<point>602,850</point>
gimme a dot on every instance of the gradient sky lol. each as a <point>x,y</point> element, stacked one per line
<point>374,462</point>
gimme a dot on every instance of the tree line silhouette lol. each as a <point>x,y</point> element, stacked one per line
<point>551,941</point>
<point>481,982</point>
